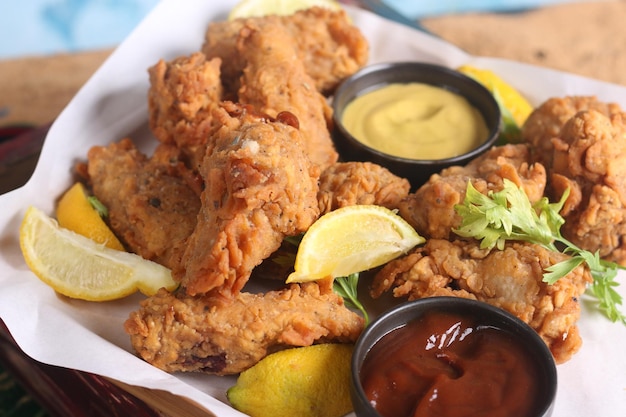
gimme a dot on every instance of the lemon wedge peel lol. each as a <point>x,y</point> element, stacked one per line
<point>350,240</point>
<point>308,381</point>
<point>78,267</point>
<point>76,213</point>
<point>513,105</point>
<point>255,8</point>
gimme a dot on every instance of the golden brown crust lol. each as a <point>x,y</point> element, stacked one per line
<point>180,333</point>
<point>350,183</point>
<point>430,209</point>
<point>511,279</point>
<point>260,186</point>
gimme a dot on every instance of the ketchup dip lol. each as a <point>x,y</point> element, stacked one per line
<point>450,364</point>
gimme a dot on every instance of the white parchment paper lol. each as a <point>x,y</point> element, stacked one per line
<point>112,105</point>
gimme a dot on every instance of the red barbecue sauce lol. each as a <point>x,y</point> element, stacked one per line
<point>447,365</point>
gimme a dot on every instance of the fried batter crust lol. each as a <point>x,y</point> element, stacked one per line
<point>152,202</point>
<point>547,120</point>
<point>182,96</point>
<point>330,47</point>
<point>430,209</point>
<point>260,186</point>
<point>511,279</point>
<point>350,183</point>
<point>181,333</point>
<point>590,161</point>
<point>275,80</point>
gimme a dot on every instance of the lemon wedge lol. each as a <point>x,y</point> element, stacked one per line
<point>254,8</point>
<point>352,239</point>
<point>78,267</point>
<point>75,212</point>
<point>513,105</point>
<point>312,381</point>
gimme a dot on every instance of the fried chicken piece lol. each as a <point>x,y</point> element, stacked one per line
<point>275,80</point>
<point>328,44</point>
<point>181,98</point>
<point>260,186</point>
<point>152,202</point>
<point>511,279</point>
<point>546,121</point>
<point>430,209</point>
<point>350,183</point>
<point>177,332</point>
<point>590,160</point>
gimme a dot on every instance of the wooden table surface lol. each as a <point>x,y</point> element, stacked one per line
<point>586,38</point>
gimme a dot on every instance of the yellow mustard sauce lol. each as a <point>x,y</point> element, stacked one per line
<point>415,121</point>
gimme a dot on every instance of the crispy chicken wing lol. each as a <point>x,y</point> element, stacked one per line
<point>349,183</point>
<point>181,99</point>
<point>330,47</point>
<point>177,332</point>
<point>275,80</point>
<point>430,209</point>
<point>152,202</point>
<point>260,186</point>
<point>590,161</point>
<point>511,279</point>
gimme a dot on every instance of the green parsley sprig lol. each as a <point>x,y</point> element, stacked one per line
<point>509,215</point>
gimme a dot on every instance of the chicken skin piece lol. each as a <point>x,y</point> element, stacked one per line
<point>430,209</point>
<point>178,332</point>
<point>590,161</point>
<point>181,99</point>
<point>275,80</point>
<point>330,47</point>
<point>152,202</point>
<point>546,121</point>
<point>260,186</point>
<point>511,279</point>
<point>350,183</point>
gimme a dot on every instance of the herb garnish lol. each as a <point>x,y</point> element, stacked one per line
<point>98,206</point>
<point>509,215</point>
<point>346,287</point>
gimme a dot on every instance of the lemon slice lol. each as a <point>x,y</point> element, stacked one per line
<point>307,381</point>
<point>254,8</point>
<point>75,212</point>
<point>78,267</point>
<point>352,239</point>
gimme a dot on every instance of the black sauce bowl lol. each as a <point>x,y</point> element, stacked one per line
<point>371,77</point>
<point>485,314</point>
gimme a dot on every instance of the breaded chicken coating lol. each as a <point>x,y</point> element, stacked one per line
<point>275,80</point>
<point>430,209</point>
<point>350,183</point>
<point>328,44</point>
<point>181,98</point>
<point>181,333</point>
<point>546,121</point>
<point>260,186</point>
<point>590,161</point>
<point>511,279</point>
<point>152,202</point>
